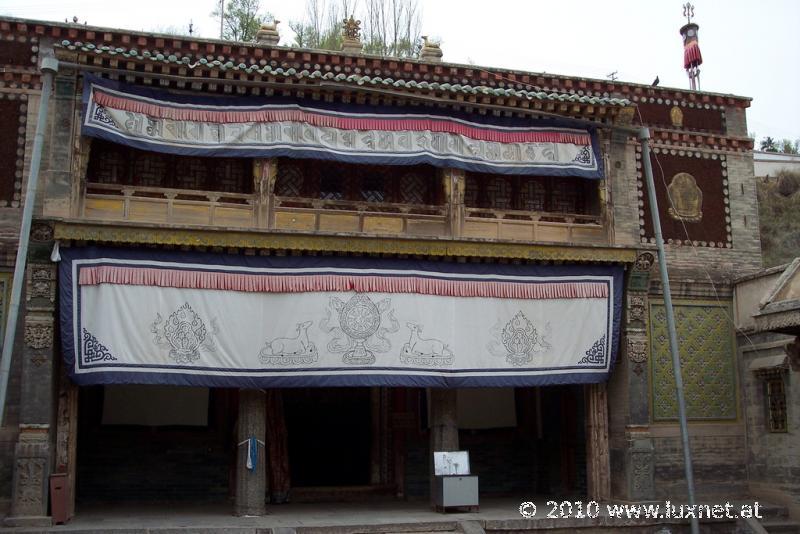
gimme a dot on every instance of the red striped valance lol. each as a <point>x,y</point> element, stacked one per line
<point>267,114</point>
<point>266,283</point>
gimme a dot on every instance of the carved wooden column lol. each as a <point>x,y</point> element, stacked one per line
<point>598,468</point>
<point>67,435</point>
<point>264,176</point>
<point>454,182</point>
<point>251,483</point>
<point>444,425</point>
<point>80,163</point>
<point>33,453</point>
<point>375,436</point>
<point>277,445</point>
<point>639,460</point>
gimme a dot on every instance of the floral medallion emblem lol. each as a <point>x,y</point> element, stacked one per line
<point>519,338</point>
<point>184,333</point>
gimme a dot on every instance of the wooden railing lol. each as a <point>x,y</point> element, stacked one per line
<point>518,225</point>
<point>292,213</point>
<point>237,210</point>
<point>172,206</point>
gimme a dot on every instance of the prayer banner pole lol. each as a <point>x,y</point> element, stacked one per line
<point>49,68</point>
<point>644,137</point>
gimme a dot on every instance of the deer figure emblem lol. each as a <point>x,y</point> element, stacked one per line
<point>290,350</point>
<point>425,351</point>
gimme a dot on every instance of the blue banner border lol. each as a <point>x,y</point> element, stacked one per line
<point>298,152</point>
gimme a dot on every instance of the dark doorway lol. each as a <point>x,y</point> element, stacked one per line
<point>329,436</point>
<point>154,444</point>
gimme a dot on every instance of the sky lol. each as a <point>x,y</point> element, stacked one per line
<point>749,48</point>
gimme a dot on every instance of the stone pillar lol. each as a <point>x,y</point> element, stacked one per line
<point>639,458</point>
<point>33,452</point>
<point>61,137</point>
<point>444,425</point>
<point>251,485</point>
<point>598,468</point>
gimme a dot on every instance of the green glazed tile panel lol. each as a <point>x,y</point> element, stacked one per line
<point>705,339</point>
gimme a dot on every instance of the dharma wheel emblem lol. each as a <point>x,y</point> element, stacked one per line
<point>361,330</point>
<point>359,319</point>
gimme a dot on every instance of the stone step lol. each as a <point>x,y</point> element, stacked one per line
<point>781,525</point>
<point>772,511</point>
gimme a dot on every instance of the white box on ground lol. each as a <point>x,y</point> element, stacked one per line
<point>456,491</point>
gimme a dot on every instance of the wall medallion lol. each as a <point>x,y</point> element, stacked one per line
<point>687,198</point>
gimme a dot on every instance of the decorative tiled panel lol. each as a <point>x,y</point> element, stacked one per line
<point>692,195</point>
<point>12,147</point>
<point>681,115</point>
<point>705,341</point>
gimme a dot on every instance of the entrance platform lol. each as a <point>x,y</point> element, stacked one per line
<point>497,516</point>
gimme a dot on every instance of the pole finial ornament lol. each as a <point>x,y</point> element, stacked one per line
<point>688,12</point>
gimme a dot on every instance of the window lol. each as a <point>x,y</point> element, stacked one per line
<point>568,195</point>
<point>329,180</point>
<point>776,403</point>
<point>110,163</point>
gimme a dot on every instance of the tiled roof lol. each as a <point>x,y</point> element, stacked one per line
<point>265,69</point>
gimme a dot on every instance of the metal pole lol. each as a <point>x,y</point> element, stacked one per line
<point>221,16</point>
<point>49,68</point>
<point>644,137</point>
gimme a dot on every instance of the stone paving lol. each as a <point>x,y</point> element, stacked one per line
<point>398,517</point>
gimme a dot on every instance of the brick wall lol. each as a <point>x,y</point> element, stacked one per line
<point>773,459</point>
<point>718,462</point>
<point>736,121</point>
<point>134,463</point>
<point>140,464</point>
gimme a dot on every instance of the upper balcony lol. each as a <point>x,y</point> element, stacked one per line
<point>125,184</point>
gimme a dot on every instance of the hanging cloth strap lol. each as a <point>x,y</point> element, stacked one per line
<point>252,452</point>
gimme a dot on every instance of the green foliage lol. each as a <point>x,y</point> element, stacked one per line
<point>241,19</point>
<point>768,145</point>
<point>779,214</point>
<point>389,27</point>
<point>786,146</point>
<point>790,147</point>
